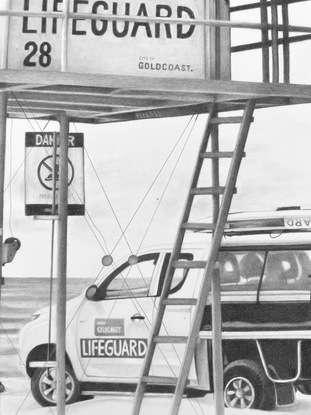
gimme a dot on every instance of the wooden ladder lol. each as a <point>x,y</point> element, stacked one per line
<point>217,226</point>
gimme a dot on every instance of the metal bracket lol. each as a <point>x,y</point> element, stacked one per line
<point>266,369</point>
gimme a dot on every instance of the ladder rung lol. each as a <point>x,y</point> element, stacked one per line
<point>179,301</point>
<point>159,380</point>
<point>189,264</point>
<point>228,120</point>
<point>198,226</point>
<point>170,339</point>
<point>209,190</point>
<point>218,155</point>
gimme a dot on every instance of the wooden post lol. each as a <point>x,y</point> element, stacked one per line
<point>286,50</point>
<point>216,295</point>
<point>64,38</point>
<point>62,265</point>
<point>4,27</point>
<point>275,44</point>
<point>3,117</point>
<point>265,41</point>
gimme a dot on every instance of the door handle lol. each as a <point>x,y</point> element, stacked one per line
<point>137,316</point>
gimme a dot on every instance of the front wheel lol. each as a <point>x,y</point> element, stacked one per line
<point>246,386</point>
<point>44,386</point>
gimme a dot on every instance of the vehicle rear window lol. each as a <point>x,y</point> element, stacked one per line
<point>287,270</point>
<point>240,270</point>
<point>274,270</point>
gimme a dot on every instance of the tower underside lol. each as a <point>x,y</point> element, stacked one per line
<point>117,61</point>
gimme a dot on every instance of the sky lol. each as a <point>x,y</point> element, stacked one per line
<point>127,157</point>
<point>123,159</point>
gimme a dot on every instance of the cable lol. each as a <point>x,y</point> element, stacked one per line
<point>110,204</point>
<point>153,182</point>
<point>167,184</point>
<point>105,249</point>
<point>124,282</point>
<point>10,182</point>
<point>113,213</point>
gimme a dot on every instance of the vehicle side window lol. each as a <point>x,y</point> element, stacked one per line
<point>286,270</point>
<point>180,274</point>
<point>130,280</point>
<point>240,270</point>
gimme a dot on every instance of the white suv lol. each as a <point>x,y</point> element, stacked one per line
<point>265,269</point>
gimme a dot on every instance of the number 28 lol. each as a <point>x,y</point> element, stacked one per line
<point>44,58</point>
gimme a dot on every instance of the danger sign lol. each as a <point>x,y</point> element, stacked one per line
<point>42,173</point>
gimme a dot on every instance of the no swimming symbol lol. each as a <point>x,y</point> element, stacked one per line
<point>45,172</point>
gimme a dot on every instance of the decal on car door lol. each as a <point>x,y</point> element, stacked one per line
<point>109,326</point>
<point>126,348</point>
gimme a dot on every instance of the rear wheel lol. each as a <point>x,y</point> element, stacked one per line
<point>44,386</point>
<point>247,386</point>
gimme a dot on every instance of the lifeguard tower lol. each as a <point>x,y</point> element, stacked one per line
<point>109,61</point>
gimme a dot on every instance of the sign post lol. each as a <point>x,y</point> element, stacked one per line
<point>62,266</point>
<point>3,117</point>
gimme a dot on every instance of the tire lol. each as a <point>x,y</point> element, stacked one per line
<point>247,386</point>
<point>43,386</point>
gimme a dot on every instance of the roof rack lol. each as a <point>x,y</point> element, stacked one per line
<point>292,219</point>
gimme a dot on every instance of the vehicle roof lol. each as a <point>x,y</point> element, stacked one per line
<point>252,230</point>
<point>282,220</point>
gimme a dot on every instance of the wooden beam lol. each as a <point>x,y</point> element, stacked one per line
<point>113,94</point>
<point>98,101</point>
<point>251,6</point>
<point>265,41</point>
<point>181,86</point>
<point>286,50</point>
<point>275,46</point>
<point>146,19</point>
<point>259,45</point>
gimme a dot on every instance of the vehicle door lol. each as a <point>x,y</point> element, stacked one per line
<point>114,326</point>
<point>262,290</point>
<point>285,289</point>
<point>240,273</point>
<point>284,311</point>
<point>177,318</point>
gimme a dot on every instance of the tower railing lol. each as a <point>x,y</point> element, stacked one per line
<point>280,43</point>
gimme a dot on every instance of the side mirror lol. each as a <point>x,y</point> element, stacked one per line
<point>91,292</point>
<point>9,248</point>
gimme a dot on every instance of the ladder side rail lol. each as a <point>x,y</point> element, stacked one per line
<point>212,258</point>
<point>155,330</point>
<point>216,293</point>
